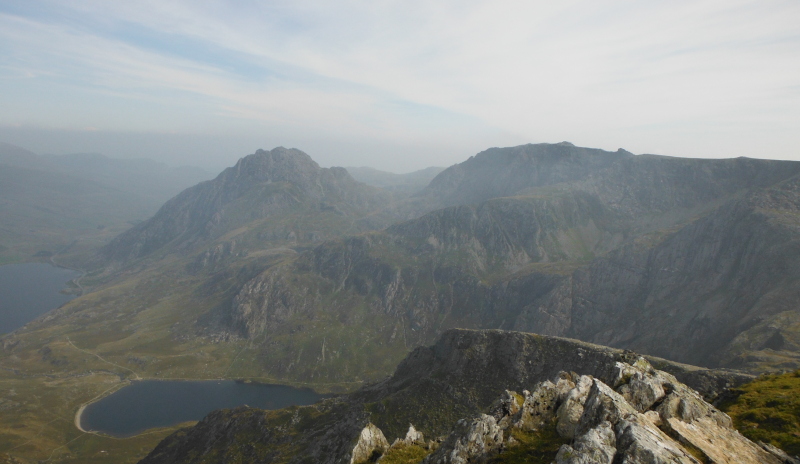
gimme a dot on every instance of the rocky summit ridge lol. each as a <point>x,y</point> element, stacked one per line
<point>493,396</point>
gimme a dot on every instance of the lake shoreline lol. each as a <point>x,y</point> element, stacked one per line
<point>110,415</point>
<point>78,416</point>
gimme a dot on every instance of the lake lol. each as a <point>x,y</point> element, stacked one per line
<point>147,404</point>
<point>29,290</point>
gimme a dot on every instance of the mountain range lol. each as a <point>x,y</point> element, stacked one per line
<point>279,270</point>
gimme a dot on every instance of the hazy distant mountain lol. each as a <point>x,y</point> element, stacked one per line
<point>45,210</point>
<point>47,202</point>
<point>503,172</point>
<point>144,177</point>
<point>402,184</point>
<point>13,155</point>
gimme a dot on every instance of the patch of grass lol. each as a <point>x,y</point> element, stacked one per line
<point>768,410</point>
<point>537,447</point>
<point>404,454</point>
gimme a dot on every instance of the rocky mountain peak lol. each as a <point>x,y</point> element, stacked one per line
<point>276,165</point>
<point>263,184</point>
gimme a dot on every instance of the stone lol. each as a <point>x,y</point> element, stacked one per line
<point>640,384</point>
<point>597,446</point>
<point>539,407</point>
<point>470,442</point>
<point>571,409</point>
<point>603,404</point>
<point>371,443</point>
<point>685,404</point>
<point>414,437</point>
<point>722,445</point>
<point>640,442</point>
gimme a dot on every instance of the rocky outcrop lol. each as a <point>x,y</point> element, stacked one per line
<point>466,370</point>
<point>638,421</point>
<point>371,444</point>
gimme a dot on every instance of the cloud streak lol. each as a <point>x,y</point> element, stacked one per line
<point>699,78</point>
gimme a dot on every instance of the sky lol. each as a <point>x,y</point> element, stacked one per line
<point>399,85</point>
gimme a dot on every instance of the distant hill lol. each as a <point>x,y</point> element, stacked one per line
<point>48,202</point>
<point>692,260</point>
<point>143,177</point>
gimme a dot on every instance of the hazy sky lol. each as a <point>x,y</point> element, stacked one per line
<point>399,85</point>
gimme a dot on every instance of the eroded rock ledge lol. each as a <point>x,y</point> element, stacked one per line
<point>643,416</point>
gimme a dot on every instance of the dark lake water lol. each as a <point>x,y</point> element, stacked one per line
<point>29,290</point>
<point>158,403</point>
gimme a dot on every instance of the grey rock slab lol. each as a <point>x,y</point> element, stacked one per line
<point>641,442</point>
<point>597,446</point>
<point>721,445</point>
<point>603,404</point>
<point>571,409</point>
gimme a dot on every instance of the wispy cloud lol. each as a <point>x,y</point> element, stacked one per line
<point>681,77</point>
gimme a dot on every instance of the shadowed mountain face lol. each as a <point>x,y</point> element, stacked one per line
<point>263,185</point>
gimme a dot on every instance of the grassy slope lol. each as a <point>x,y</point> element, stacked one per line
<point>141,325</point>
<point>768,410</point>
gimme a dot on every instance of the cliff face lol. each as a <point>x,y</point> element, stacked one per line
<point>266,184</point>
<point>724,285</point>
<point>464,374</point>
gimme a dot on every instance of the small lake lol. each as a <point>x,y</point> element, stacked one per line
<point>29,290</point>
<point>147,404</point>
